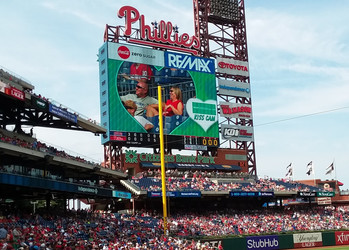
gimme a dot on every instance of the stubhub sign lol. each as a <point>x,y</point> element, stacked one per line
<point>191,63</point>
<point>263,242</point>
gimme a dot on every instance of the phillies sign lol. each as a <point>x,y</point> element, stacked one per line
<point>161,35</point>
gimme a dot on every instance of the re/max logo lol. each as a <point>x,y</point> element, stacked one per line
<point>180,61</point>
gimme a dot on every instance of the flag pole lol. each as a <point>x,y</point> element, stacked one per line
<point>292,173</point>
<point>313,169</point>
<point>335,175</point>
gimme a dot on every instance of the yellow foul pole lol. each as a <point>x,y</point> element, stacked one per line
<point>162,156</point>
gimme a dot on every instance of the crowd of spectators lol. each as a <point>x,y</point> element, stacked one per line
<point>144,230</point>
<point>204,180</point>
<point>42,147</point>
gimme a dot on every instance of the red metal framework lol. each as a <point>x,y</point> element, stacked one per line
<point>222,38</point>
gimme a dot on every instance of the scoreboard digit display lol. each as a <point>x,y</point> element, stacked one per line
<point>152,140</point>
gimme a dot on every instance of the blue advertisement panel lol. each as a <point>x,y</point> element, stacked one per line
<point>129,80</point>
<point>189,194</point>
<point>187,62</point>
<point>33,182</point>
<point>120,194</point>
<point>159,194</point>
<point>62,113</point>
<point>263,242</point>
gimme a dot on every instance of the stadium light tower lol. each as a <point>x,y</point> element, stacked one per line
<point>221,27</point>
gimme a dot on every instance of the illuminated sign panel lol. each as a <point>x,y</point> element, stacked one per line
<point>235,110</point>
<point>233,88</point>
<point>232,67</point>
<point>238,133</point>
<point>194,76</point>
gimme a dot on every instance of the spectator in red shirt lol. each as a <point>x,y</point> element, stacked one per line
<point>173,106</point>
<point>139,71</point>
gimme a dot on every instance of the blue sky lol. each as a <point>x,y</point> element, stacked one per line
<point>298,58</point>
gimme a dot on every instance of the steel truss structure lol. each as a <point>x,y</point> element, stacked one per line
<point>224,38</point>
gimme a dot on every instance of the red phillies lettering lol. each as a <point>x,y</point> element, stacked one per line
<point>162,34</point>
<point>128,12</point>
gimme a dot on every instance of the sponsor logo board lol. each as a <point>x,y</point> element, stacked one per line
<point>187,62</point>
<point>342,238</point>
<point>307,240</point>
<point>233,88</point>
<point>232,67</point>
<point>262,242</point>
<point>62,113</point>
<point>237,133</point>
<point>235,110</point>
<point>120,194</point>
<point>135,54</point>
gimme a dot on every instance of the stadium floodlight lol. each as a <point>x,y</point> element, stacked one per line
<point>225,9</point>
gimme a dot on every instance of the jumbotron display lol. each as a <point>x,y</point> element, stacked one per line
<point>129,76</point>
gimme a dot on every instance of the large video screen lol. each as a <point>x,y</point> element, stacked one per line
<point>129,80</point>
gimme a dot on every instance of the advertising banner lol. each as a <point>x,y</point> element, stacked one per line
<point>251,194</point>
<point>307,240</point>
<point>238,133</point>
<point>235,110</point>
<point>233,88</point>
<point>16,93</point>
<point>342,238</point>
<point>187,62</point>
<point>232,67</point>
<point>120,194</point>
<point>62,113</point>
<point>39,103</point>
<point>135,54</point>
<point>306,194</point>
<point>189,194</point>
<point>324,200</point>
<point>262,242</point>
<point>325,194</point>
<point>129,80</point>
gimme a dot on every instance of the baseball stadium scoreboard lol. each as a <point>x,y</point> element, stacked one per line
<point>170,60</point>
<point>177,66</point>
